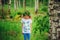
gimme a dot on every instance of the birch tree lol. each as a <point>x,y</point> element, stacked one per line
<point>9,5</point>
<point>0,6</point>
<point>9,8</point>
<point>24,4</point>
<point>0,2</point>
<point>19,3</point>
<point>16,2</point>
<point>30,3</point>
<point>36,5</point>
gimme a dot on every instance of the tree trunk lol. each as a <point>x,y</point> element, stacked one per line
<point>39,3</point>
<point>30,3</point>
<point>9,8</point>
<point>0,2</point>
<point>24,4</point>
<point>2,14</point>
<point>9,5</point>
<point>15,4</point>
<point>0,8</point>
<point>19,4</point>
<point>36,6</point>
<point>42,1</point>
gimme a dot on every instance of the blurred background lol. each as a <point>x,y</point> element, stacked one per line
<point>10,19</point>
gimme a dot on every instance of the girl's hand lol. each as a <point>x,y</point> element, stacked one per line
<point>30,27</point>
<point>30,30</point>
<point>22,33</point>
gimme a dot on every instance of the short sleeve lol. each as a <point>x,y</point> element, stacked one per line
<point>30,21</point>
<point>21,20</point>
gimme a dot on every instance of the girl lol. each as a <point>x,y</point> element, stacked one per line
<point>26,25</point>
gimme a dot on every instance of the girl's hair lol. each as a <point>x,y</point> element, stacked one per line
<point>27,13</point>
<point>19,13</point>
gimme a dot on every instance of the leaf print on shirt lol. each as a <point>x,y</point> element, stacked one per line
<point>23,22</point>
<point>28,25</point>
<point>25,29</point>
<point>27,22</point>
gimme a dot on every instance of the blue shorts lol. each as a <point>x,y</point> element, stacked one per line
<point>26,36</point>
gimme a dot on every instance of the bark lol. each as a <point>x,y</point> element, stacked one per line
<point>9,6</point>
<point>15,4</point>
<point>2,11</point>
<point>36,5</point>
<point>30,3</point>
<point>24,4</point>
<point>42,1</point>
<point>0,2</point>
<point>0,8</point>
<point>19,3</point>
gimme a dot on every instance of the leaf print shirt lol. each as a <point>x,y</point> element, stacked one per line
<point>26,25</point>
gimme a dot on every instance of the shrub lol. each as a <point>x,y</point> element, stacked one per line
<point>40,27</point>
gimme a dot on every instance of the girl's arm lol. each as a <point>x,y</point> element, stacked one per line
<point>22,27</point>
<point>31,27</point>
<point>22,24</point>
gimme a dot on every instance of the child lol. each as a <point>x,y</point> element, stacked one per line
<point>26,25</point>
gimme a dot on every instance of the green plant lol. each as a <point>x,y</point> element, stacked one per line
<point>40,27</point>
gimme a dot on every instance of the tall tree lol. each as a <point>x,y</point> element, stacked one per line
<point>0,6</point>
<point>9,8</point>
<point>16,4</point>
<point>24,4</point>
<point>19,3</point>
<point>36,5</point>
<point>30,2</point>
<point>9,5</point>
<point>42,1</point>
<point>0,2</point>
<point>3,2</point>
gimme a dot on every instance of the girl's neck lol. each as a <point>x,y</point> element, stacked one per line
<point>26,18</point>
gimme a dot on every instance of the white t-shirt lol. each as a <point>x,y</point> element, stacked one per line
<point>26,25</point>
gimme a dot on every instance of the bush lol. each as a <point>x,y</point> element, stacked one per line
<point>41,28</point>
<point>44,8</point>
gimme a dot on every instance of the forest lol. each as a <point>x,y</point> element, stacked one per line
<point>11,14</point>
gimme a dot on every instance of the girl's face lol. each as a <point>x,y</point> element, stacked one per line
<point>26,17</point>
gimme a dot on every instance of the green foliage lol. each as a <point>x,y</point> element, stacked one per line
<point>43,8</point>
<point>41,27</point>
